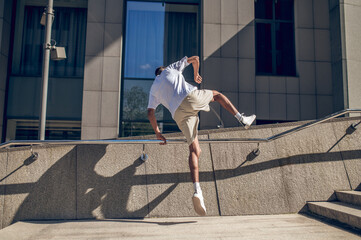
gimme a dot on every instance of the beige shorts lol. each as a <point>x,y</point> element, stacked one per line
<point>186,115</point>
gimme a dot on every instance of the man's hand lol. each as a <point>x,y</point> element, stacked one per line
<point>195,62</point>
<point>161,137</point>
<point>198,79</point>
<point>153,122</point>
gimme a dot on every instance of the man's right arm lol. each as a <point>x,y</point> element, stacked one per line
<point>195,63</point>
<point>153,122</point>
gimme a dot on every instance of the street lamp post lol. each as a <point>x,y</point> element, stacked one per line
<point>46,59</point>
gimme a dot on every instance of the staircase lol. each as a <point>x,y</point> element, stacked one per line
<point>347,208</point>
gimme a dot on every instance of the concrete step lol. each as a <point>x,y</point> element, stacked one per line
<point>351,197</point>
<point>342,212</point>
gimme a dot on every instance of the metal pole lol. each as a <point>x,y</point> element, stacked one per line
<point>46,59</point>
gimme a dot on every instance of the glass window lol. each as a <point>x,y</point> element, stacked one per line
<point>65,77</point>
<point>135,99</point>
<point>68,30</point>
<point>285,59</point>
<point>156,34</point>
<point>275,44</point>
<point>144,39</point>
<point>21,129</point>
<point>263,9</point>
<point>264,48</point>
<point>284,10</point>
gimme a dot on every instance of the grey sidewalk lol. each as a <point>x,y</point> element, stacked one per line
<point>290,226</point>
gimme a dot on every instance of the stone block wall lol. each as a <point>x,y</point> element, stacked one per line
<point>110,181</point>
<point>101,93</point>
<point>229,64</point>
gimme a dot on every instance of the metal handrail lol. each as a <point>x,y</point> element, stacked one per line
<point>153,141</point>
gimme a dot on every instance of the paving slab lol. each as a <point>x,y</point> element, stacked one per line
<point>257,227</point>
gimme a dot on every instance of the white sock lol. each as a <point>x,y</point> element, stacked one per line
<point>239,116</point>
<point>197,187</point>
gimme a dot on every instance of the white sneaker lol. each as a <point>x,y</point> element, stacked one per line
<point>247,121</point>
<point>198,204</point>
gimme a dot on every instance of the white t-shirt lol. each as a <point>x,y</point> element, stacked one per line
<point>170,88</point>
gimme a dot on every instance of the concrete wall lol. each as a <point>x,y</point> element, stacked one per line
<point>99,181</point>
<point>229,63</point>
<point>100,114</point>
<point>5,28</point>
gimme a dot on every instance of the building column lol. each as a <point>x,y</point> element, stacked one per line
<point>346,53</point>
<point>101,92</point>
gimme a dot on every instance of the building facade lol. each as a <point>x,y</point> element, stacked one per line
<point>284,60</point>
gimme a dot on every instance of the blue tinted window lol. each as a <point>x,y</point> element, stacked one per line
<point>156,35</point>
<point>144,39</point>
<point>68,30</point>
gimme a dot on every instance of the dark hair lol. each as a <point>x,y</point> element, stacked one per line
<point>159,70</point>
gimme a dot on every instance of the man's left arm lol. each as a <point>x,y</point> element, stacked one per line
<point>153,122</point>
<point>195,63</point>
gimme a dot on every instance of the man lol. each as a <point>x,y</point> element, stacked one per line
<point>184,101</point>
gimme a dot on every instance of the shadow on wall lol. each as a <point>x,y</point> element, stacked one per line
<point>50,197</point>
<point>112,197</point>
<point>67,192</point>
<point>72,189</point>
<point>229,67</point>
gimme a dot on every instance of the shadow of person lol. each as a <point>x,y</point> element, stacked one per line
<point>157,222</point>
<point>50,196</point>
<point>123,195</point>
<point>70,189</point>
<point>153,221</point>
<point>112,197</point>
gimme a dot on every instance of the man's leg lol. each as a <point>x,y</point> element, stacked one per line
<point>226,104</point>
<point>194,154</point>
